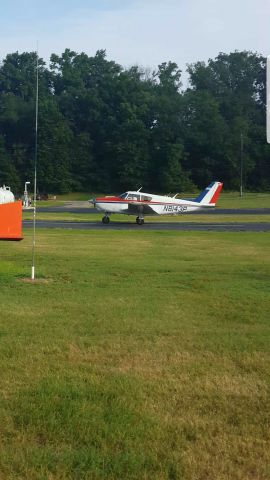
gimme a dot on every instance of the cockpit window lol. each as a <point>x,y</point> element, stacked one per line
<point>123,195</point>
<point>146,198</point>
<point>131,196</point>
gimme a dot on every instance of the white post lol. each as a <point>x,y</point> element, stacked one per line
<point>35,179</point>
<point>25,194</point>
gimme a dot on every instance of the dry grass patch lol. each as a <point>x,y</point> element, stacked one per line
<point>35,281</point>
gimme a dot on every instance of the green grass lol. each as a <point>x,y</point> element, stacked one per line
<point>226,199</point>
<point>73,196</point>
<point>65,197</point>
<point>138,355</point>
<point>249,200</point>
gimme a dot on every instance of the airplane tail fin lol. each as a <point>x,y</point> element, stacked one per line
<point>210,195</point>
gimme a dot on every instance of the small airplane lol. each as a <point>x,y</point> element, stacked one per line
<point>142,204</point>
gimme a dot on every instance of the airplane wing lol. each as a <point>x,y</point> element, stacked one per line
<point>143,209</point>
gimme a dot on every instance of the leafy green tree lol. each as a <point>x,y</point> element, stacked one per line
<point>106,128</point>
<point>8,173</point>
<point>167,140</point>
<point>205,134</point>
<point>83,175</point>
<point>236,82</point>
<point>18,76</point>
<point>173,177</point>
<point>54,146</point>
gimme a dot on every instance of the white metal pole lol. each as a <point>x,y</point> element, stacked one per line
<point>35,178</point>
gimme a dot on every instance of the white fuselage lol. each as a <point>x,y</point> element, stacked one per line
<point>149,204</point>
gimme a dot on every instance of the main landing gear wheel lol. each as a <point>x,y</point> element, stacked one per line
<point>139,221</point>
<point>106,220</point>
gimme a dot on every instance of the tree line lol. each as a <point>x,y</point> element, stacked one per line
<point>106,128</point>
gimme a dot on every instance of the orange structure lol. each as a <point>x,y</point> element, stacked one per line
<point>11,221</point>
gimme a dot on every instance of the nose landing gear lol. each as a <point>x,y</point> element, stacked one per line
<point>139,220</point>
<point>106,219</point>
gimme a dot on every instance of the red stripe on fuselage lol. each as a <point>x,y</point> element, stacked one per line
<point>109,199</point>
<point>119,200</point>
<point>139,202</point>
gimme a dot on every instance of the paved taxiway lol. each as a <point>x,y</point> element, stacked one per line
<point>181,226</point>
<point>215,211</point>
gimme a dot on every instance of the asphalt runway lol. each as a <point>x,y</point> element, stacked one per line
<point>182,225</point>
<point>165,226</point>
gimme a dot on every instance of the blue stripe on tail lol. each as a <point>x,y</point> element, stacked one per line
<point>204,193</point>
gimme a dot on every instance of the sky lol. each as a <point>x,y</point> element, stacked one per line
<point>142,32</point>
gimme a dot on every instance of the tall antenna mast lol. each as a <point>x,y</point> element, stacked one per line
<point>35,177</point>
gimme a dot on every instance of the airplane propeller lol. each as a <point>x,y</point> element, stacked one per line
<point>93,201</point>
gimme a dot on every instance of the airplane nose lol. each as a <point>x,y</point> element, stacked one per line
<point>93,201</point>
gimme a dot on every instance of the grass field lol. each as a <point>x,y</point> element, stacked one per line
<point>137,355</point>
<point>249,200</point>
<point>226,199</point>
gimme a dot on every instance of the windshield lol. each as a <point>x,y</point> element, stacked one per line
<point>123,195</point>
